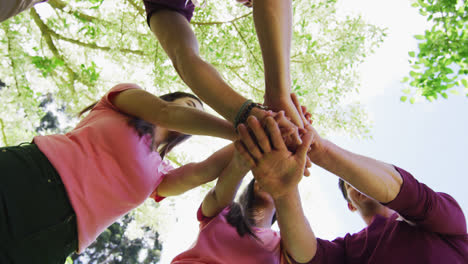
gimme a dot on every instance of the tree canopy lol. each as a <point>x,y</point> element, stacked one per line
<point>60,56</point>
<point>441,63</point>
<point>73,51</point>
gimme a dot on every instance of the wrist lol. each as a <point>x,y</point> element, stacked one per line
<point>320,151</point>
<point>271,99</point>
<point>286,196</point>
<point>247,109</point>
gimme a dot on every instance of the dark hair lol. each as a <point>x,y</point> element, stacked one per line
<point>143,127</point>
<point>342,186</point>
<point>241,215</point>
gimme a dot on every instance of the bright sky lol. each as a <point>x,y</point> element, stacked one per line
<point>427,139</point>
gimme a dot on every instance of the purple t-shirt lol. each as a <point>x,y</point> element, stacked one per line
<point>437,233</point>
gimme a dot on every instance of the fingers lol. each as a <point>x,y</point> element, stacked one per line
<point>296,103</point>
<point>244,153</point>
<point>275,134</point>
<point>302,110</point>
<point>262,139</point>
<point>307,166</point>
<point>248,142</point>
<point>287,125</point>
<point>304,147</point>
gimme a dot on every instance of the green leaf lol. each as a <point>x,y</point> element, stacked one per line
<point>444,95</point>
<point>412,100</point>
<point>419,37</point>
<point>415,4</point>
<point>411,54</point>
<point>464,82</point>
<point>414,74</point>
<point>405,79</point>
<point>403,98</point>
<point>406,90</point>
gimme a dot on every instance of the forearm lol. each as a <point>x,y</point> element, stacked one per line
<point>192,121</point>
<point>296,234</point>
<point>374,178</point>
<point>200,76</point>
<point>191,175</point>
<point>273,23</point>
<point>184,119</point>
<point>224,191</point>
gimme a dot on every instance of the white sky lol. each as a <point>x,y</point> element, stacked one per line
<point>427,139</point>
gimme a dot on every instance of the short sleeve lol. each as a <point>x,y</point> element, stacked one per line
<point>329,252</point>
<point>435,211</point>
<point>200,217</point>
<point>106,100</point>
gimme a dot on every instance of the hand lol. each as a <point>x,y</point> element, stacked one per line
<point>239,161</point>
<point>302,110</point>
<point>287,105</point>
<point>277,170</point>
<point>289,131</point>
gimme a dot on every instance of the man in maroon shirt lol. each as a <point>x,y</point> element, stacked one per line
<point>407,222</point>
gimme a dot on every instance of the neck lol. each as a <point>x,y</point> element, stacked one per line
<point>264,216</point>
<point>160,137</point>
<point>381,210</point>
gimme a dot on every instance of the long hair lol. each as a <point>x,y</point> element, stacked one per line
<point>143,128</point>
<point>241,214</point>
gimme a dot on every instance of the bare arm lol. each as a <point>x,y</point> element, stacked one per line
<point>189,176</point>
<point>188,120</point>
<point>296,234</point>
<point>200,76</point>
<point>226,187</point>
<point>273,23</point>
<point>374,178</point>
<point>278,172</point>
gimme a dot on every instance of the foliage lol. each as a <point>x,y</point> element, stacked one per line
<point>441,64</point>
<point>76,50</point>
<point>115,246</point>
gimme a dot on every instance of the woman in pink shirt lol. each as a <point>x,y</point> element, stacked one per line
<point>238,232</point>
<point>60,192</point>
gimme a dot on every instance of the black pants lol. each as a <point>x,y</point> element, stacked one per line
<point>37,222</point>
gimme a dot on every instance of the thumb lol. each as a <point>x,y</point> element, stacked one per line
<point>301,151</point>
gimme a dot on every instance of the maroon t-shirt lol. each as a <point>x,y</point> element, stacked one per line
<point>437,233</point>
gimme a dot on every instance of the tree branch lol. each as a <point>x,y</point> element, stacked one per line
<point>50,43</point>
<point>94,46</point>
<point>13,65</point>
<point>232,69</point>
<point>140,10</point>
<point>220,22</point>
<point>2,124</point>
<point>247,45</point>
<point>59,4</point>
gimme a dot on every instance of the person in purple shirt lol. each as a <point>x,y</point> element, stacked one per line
<point>407,222</point>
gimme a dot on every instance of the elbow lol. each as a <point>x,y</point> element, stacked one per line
<point>306,257</point>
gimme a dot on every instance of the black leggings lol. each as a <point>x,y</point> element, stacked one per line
<point>37,221</point>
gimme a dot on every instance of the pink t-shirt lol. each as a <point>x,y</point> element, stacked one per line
<point>106,167</point>
<point>219,243</point>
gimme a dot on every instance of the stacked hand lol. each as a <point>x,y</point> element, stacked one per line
<point>276,169</point>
